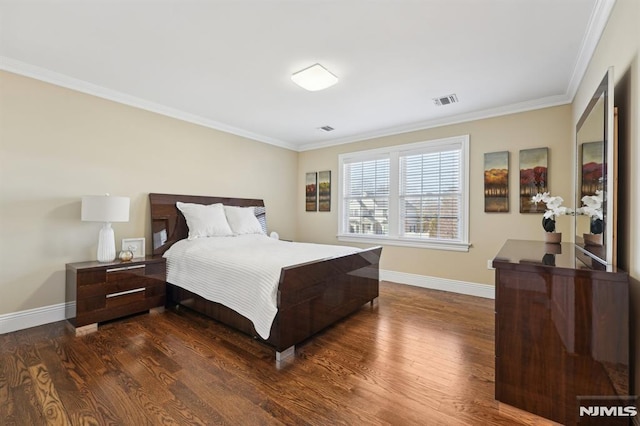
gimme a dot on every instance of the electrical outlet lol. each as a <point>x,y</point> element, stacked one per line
<point>490,264</point>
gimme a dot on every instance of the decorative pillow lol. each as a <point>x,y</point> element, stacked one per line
<point>243,220</point>
<point>205,220</point>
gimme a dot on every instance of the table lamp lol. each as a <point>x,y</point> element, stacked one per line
<point>106,209</point>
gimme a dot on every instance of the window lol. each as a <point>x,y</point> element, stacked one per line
<point>366,196</point>
<point>412,195</point>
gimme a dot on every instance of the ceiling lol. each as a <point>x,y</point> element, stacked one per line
<point>227,64</point>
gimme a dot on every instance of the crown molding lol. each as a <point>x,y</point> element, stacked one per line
<point>595,28</point>
<point>547,102</point>
<point>38,73</point>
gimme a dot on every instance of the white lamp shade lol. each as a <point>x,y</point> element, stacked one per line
<point>314,78</point>
<point>105,208</point>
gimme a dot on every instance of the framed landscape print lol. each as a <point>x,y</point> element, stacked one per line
<point>533,178</point>
<point>324,191</point>
<point>311,194</point>
<point>496,182</point>
<point>592,168</point>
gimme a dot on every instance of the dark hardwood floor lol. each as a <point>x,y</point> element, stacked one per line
<point>416,357</point>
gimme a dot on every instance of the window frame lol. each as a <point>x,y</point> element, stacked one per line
<point>395,236</point>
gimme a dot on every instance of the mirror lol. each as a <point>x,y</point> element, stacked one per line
<point>596,171</point>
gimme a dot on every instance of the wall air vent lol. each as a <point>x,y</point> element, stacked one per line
<point>445,100</point>
<point>326,128</point>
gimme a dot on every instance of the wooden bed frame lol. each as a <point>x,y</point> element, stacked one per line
<point>311,296</point>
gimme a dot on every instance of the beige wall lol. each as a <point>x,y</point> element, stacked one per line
<point>550,127</point>
<point>57,145</point>
<point>619,47</point>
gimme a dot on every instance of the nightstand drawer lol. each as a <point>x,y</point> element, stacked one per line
<point>124,272</point>
<point>125,297</point>
<point>135,295</point>
<point>112,305</point>
<point>115,286</point>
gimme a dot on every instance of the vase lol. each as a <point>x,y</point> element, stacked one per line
<point>596,226</point>
<point>592,239</point>
<point>548,224</point>
<point>553,237</point>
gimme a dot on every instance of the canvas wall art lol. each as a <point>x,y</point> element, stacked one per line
<point>496,182</point>
<point>533,178</point>
<point>311,194</point>
<point>324,191</point>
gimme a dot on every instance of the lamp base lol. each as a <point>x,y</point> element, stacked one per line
<point>106,244</point>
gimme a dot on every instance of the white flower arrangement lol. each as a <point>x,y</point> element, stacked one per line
<point>554,205</point>
<point>592,206</point>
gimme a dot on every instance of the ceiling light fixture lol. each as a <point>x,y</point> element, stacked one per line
<point>314,78</point>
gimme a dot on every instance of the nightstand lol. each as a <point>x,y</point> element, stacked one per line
<point>106,291</point>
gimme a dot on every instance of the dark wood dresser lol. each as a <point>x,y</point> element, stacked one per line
<point>562,333</point>
<point>106,291</point>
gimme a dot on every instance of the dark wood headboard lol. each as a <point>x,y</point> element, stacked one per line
<point>169,226</point>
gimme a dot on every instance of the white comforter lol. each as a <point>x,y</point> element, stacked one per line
<point>241,272</point>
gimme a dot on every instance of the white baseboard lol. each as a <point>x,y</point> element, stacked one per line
<point>47,314</point>
<point>444,284</point>
<point>34,317</point>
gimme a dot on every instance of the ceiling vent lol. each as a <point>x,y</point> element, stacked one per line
<point>326,128</point>
<point>445,100</point>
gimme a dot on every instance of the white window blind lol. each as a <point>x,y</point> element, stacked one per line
<point>366,196</point>
<point>431,195</point>
<point>412,195</point>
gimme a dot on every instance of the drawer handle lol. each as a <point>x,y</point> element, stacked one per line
<point>122,293</point>
<point>125,268</point>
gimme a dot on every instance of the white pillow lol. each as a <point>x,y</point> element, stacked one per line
<point>243,220</point>
<point>205,220</point>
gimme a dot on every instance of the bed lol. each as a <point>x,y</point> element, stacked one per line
<point>309,296</point>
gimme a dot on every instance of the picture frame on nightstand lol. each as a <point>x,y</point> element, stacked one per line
<point>136,245</point>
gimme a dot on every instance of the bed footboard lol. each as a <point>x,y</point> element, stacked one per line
<point>314,295</point>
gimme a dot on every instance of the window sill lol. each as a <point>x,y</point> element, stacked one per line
<point>406,242</point>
